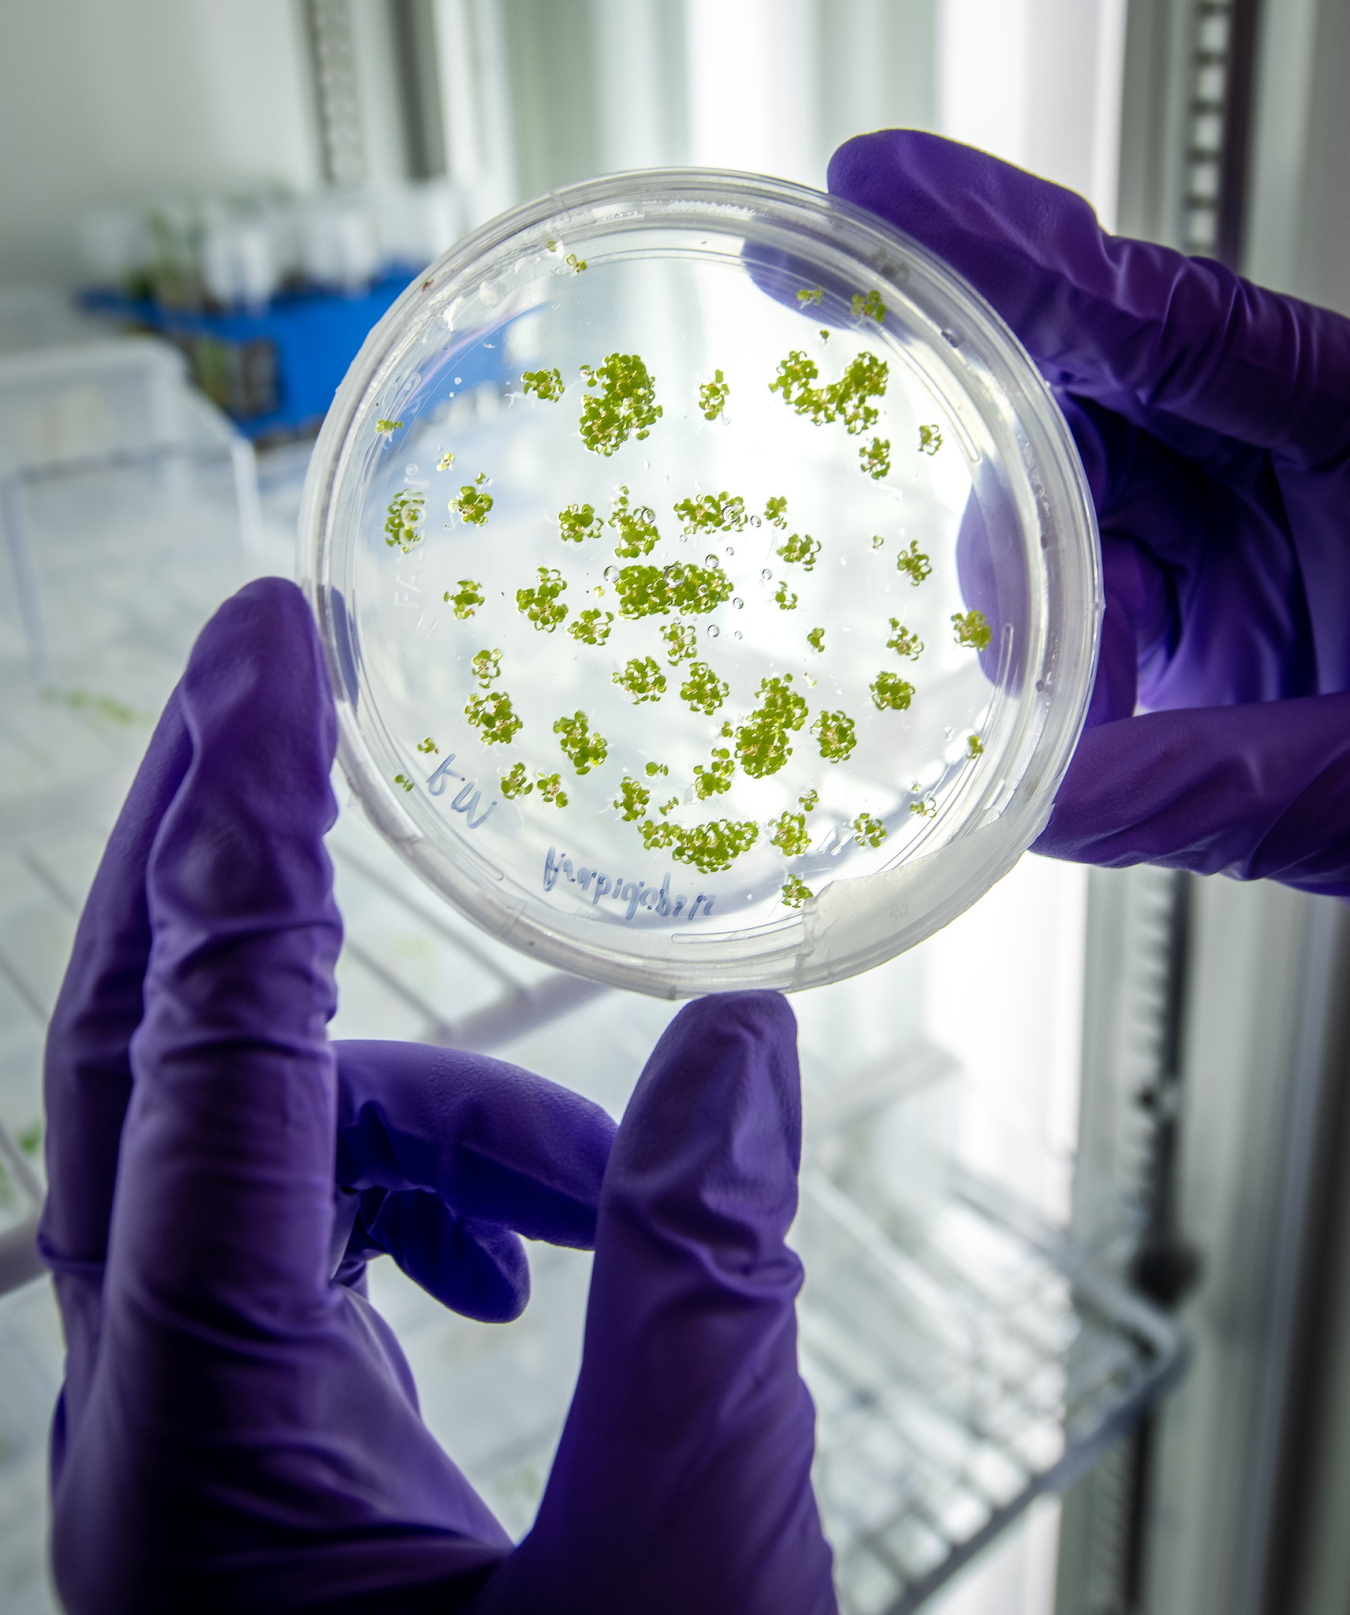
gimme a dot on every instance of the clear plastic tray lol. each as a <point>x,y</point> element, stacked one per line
<point>708,580</point>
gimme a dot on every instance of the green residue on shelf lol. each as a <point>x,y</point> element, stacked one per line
<point>713,395</point>
<point>875,458</point>
<point>514,782</point>
<point>930,439</point>
<point>681,641</point>
<point>545,384</point>
<point>632,800</point>
<point>446,461</point>
<point>466,601</point>
<point>716,777</point>
<point>579,522</point>
<point>636,526</point>
<point>816,639</point>
<point>697,590</point>
<point>974,747</point>
<point>550,788</point>
<point>541,605</point>
<point>383,425</point>
<point>403,521</point>
<point>891,693</point>
<point>870,307</point>
<point>592,626</point>
<point>810,295</point>
<point>652,770</point>
<point>492,715</point>
<point>625,404</point>
<point>710,848</point>
<point>428,747</point>
<point>703,690</point>
<point>404,781</point>
<point>582,747</point>
<point>762,741</point>
<point>971,631</point>
<point>904,642</point>
<point>796,892</point>
<point>775,511</point>
<point>643,680</point>
<point>836,735</point>
<point>486,666</point>
<point>870,831</point>
<point>712,513</point>
<point>802,550</point>
<point>784,598</point>
<point>789,834</point>
<point>847,399</point>
<point>913,563</point>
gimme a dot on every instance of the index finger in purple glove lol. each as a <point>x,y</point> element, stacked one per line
<point>682,1480</point>
<point>1103,314</point>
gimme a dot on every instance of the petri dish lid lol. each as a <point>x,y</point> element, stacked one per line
<point>708,580</point>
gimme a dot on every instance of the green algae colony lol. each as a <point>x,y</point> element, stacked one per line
<point>713,395</point>
<point>624,406</point>
<point>762,742</point>
<point>643,680</point>
<point>583,748</point>
<point>403,522</point>
<point>541,604</point>
<point>470,596</point>
<point>493,717</point>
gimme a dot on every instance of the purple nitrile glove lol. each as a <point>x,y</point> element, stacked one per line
<point>1213,420</point>
<point>238,1427</point>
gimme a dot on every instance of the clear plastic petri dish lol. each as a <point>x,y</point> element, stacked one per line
<point>708,580</point>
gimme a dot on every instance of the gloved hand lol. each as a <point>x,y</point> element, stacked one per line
<point>1213,420</point>
<point>238,1428</point>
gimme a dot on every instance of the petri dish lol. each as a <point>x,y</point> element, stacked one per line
<point>708,580</point>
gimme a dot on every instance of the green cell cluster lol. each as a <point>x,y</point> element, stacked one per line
<point>713,395</point>
<point>402,779</point>
<point>467,600</point>
<point>789,834</point>
<point>870,307</point>
<point>492,715</point>
<point>592,626</point>
<point>624,406</point>
<point>428,747</point>
<point>473,504</point>
<point>632,800</point>
<point>914,563</point>
<point>847,399</point>
<point>875,458</point>
<point>870,831</point>
<point>775,511</point>
<point>836,735</point>
<point>583,747</point>
<point>762,741</point>
<point>643,680</point>
<point>904,641</point>
<point>891,693</point>
<point>810,295</point>
<point>716,777</point>
<point>636,526</point>
<point>681,642</point>
<point>801,550</point>
<point>515,783</point>
<point>712,513</point>
<point>816,639</point>
<point>784,598</point>
<point>930,440</point>
<point>403,521</point>
<point>796,891</point>
<point>486,666</point>
<point>541,604</point>
<point>545,384</point>
<point>971,631</point>
<point>579,522</point>
<point>710,848</point>
<point>703,690</point>
<point>550,788</point>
